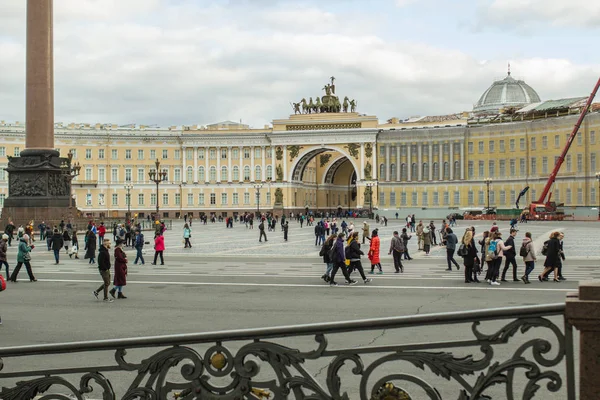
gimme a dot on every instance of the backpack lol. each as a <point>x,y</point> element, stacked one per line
<point>545,248</point>
<point>333,256</point>
<point>523,252</point>
<point>491,253</point>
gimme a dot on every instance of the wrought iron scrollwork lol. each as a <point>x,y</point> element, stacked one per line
<point>266,369</point>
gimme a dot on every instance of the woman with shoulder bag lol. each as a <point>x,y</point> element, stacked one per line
<point>468,251</point>
<point>23,257</point>
<point>552,257</point>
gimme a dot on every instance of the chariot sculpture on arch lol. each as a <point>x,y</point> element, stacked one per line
<point>329,103</point>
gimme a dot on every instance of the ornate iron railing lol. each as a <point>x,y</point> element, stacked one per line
<point>525,348</point>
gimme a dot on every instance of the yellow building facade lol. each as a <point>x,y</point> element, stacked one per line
<point>324,161</point>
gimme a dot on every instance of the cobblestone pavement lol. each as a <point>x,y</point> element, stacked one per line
<point>214,239</point>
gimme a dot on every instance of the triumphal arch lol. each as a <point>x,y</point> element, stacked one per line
<point>325,153</point>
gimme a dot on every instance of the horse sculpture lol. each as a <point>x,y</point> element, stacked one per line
<point>304,106</point>
<point>346,104</point>
<point>317,106</point>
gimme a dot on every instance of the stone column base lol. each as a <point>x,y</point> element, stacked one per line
<point>23,215</point>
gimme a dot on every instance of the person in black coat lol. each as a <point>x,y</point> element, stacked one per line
<point>57,244</point>
<point>511,256</point>
<point>553,260</point>
<point>91,247</point>
<point>470,258</point>
<point>66,240</point>
<point>353,253</point>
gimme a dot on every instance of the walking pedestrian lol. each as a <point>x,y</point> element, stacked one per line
<point>470,258</point>
<point>396,250</point>
<point>104,269</point>
<point>426,240</point>
<point>9,230</point>
<point>187,234</point>
<point>353,253</point>
<point>405,238</point>
<point>328,245</point>
<point>511,256</point>
<point>101,232</point>
<point>3,259</point>
<point>120,279</point>
<point>374,252</point>
<point>42,228</point>
<point>285,231</point>
<point>529,257</point>
<point>57,244</point>
<point>261,228</point>
<point>24,257</point>
<point>159,248</point>
<point>552,256</point>
<point>74,245</point>
<point>90,246</point>
<point>451,241</point>
<point>66,240</point>
<point>338,258</point>
<point>420,228</point>
<point>139,245</point>
<point>365,231</point>
<point>494,253</point>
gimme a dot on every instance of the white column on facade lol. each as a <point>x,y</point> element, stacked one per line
<point>241,166</point>
<point>409,160</point>
<point>398,162</point>
<point>184,165</point>
<point>218,164</point>
<point>195,164</point>
<point>420,161</point>
<point>451,160</point>
<point>361,173</point>
<point>462,160</point>
<point>252,175</point>
<point>375,162</point>
<point>441,150</point>
<point>430,160</point>
<point>273,166</point>
<point>264,163</point>
<point>206,166</point>
<point>229,162</point>
<point>285,170</point>
<point>388,161</point>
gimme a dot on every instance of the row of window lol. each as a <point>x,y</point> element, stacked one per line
<point>189,153</point>
<point>212,174</point>
<point>533,166</point>
<point>414,171</point>
<point>414,148</point>
<point>522,143</point>
<point>481,198</point>
<point>141,197</point>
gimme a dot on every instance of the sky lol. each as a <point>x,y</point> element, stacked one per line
<point>185,62</point>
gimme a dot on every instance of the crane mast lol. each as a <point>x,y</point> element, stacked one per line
<point>561,159</point>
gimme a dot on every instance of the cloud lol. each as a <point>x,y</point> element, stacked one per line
<point>560,13</point>
<point>180,63</point>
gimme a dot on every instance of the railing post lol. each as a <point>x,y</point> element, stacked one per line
<point>583,312</point>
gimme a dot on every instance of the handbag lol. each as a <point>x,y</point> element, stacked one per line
<point>477,266</point>
<point>26,257</point>
<point>462,250</point>
<point>2,283</point>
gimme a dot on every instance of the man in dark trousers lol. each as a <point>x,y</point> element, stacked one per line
<point>397,249</point>
<point>139,245</point>
<point>285,231</point>
<point>104,269</point>
<point>510,255</point>
<point>261,228</point>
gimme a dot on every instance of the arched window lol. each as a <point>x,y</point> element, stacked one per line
<point>269,172</point>
<point>190,174</point>
<point>414,172</point>
<point>224,176</point>
<point>425,171</point>
<point>382,172</point>
<point>436,171</point>
<point>393,172</point>
<point>213,174</point>
<point>456,170</point>
<point>258,173</point>
<point>236,173</point>
<point>446,170</point>
<point>246,173</point>
<point>201,174</point>
<point>403,172</point>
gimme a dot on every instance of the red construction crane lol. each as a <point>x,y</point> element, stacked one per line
<point>535,209</point>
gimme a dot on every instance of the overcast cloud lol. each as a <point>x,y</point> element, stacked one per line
<point>173,62</point>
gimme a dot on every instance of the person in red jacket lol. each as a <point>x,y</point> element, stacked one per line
<point>374,252</point>
<point>101,232</point>
<point>159,247</point>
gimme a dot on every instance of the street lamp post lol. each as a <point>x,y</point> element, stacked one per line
<point>128,187</point>
<point>488,182</point>
<point>257,187</point>
<point>370,185</point>
<point>598,193</point>
<point>157,177</point>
